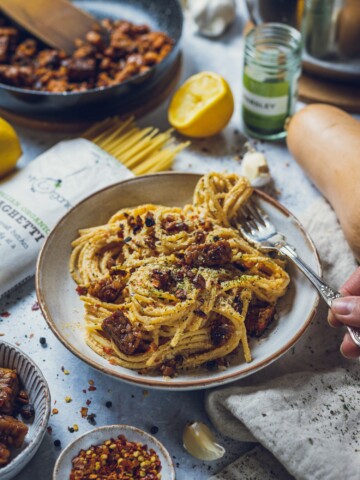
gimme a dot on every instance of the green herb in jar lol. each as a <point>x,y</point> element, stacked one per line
<point>272,67</point>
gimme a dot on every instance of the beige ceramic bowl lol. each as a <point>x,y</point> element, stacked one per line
<point>63,309</point>
<point>98,435</point>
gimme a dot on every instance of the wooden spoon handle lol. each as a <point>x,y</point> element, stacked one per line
<point>57,22</point>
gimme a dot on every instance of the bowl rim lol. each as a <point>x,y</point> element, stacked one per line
<point>150,438</point>
<point>129,81</point>
<point>40,433</point>
<point>149,381</point>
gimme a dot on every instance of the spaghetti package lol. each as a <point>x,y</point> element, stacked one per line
<point>35,198</point>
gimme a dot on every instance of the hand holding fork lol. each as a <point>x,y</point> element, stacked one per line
<point>256,227</point>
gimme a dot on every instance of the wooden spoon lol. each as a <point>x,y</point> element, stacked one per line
<point>56,22</point>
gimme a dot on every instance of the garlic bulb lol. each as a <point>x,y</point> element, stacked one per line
<point>200,442</point>
<point>212,17</point>
<point>255,167</point>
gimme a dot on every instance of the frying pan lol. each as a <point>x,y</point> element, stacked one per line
<point>163,15</point>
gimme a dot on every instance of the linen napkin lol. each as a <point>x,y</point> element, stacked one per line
<point>304,410</point>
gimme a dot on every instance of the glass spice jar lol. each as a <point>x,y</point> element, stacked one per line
<point>272,67</point>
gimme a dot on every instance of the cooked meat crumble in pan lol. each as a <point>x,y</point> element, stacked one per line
<point>97,61</point>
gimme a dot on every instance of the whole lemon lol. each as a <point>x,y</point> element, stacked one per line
<point>202,106</point>
<point>10,149</point>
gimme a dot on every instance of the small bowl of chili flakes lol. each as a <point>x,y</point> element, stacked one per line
<point>114,452</point>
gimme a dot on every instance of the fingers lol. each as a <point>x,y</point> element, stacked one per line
<point>347,310</point>
<point>348,348</point>
<point>350,288</point>
<point>343,310</point>
<point>332,321</point>
<point>352,285</point>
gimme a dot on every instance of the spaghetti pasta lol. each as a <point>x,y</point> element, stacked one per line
<point>141,150</point>
<point>169,288</point>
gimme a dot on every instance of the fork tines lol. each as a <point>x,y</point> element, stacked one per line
<point>254,223</point>
<point>252,213</point>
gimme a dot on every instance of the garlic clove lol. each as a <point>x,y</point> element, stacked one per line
<point>214,28</point>
<point>212,17</point>
<point>255,167</point>
<point>200,442</point>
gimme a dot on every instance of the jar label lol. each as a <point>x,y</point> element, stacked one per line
<point>265,104</point>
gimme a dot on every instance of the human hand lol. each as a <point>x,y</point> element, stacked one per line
<point>346,311</point>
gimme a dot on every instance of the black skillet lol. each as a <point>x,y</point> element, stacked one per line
<point>163,15</point>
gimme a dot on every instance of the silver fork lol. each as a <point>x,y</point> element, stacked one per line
<point>256,227</point>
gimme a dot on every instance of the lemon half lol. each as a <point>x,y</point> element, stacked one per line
<point>10,149</point>
<point>202,106</point>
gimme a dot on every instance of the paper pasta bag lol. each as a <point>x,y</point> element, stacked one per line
<point>35,198</point>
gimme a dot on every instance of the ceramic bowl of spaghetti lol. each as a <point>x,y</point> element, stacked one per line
<point>154,286</point>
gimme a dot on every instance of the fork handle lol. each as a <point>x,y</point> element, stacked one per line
<point>327,293</point>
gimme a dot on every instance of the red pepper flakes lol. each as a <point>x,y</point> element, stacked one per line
<point>84,412</point>
<point>88,402</point>
<point>5,314</point>
<point>74,428</point>
<point>108,350</point>
<point>81,290</point>
<point>91,418</point>
<point>91,388</point>
<point>35,307</point>
<point>116,459</point>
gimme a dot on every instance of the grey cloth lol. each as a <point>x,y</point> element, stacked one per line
<point>304,409</point>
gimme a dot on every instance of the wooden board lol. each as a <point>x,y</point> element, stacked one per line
<point>138,107</point>
<point>342,95</point>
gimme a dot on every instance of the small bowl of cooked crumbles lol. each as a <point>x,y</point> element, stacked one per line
<point>24,410</point>
<point>115,452</point>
